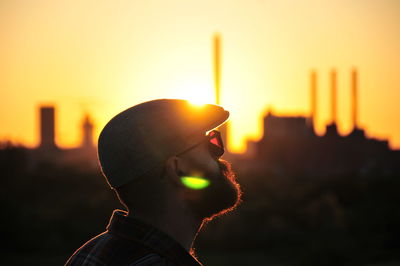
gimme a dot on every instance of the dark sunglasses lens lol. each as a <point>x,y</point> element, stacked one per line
<point>215,141</point>
<point>216,144</point>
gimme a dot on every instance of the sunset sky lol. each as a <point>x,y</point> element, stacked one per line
<point>101,57</point>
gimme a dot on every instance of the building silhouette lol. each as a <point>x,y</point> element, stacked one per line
<point>87,133</point>
<point>83,156</point>
<point>47,128</point>
<point>290,146</point>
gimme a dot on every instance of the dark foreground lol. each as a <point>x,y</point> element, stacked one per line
<point>49,211</point>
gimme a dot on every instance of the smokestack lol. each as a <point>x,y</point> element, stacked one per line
<point>217,66</point>
<point>333,96</point>
<point>47,127</point>
<point>313,98</point>
<point>217,83</point>
<point>354,98</point>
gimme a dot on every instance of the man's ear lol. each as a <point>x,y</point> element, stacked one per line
<point>173,169</point>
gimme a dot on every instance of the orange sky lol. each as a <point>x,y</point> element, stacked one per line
<point>104,56</point>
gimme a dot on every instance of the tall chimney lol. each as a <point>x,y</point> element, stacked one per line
<point>217,68</point>
<point>217,83</point>
<point>47,127</point>
<point>354,98</point>
<point>313,99</point>
<point>333,96</point>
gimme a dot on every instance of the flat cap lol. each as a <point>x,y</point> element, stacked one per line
<point>143,136</point>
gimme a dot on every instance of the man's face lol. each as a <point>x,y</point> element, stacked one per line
<point>221,195</point>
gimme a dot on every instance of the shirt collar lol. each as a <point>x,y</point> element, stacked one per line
<point>138,231</point>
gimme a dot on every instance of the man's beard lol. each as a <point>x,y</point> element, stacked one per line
<point>220,197</point>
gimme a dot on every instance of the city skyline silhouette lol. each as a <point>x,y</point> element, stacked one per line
<point>142,53</point>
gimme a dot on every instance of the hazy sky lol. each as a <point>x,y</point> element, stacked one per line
<point>104,56</point>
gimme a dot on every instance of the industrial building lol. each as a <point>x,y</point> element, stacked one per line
<point>291,147</point>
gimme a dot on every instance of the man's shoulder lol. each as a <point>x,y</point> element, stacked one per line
<point>108,249</point>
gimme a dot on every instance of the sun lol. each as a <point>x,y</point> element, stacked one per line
<point>198,101</point>
<point>198,95</point>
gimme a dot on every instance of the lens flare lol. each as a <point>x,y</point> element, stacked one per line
<point>197,103</point>
<point>195,182</point>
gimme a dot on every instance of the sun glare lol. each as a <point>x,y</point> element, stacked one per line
<point>197,98</point>
<point>197,93</point>
<point>198,101</point>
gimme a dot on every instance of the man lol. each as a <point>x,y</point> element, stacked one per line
<point>168,174</point>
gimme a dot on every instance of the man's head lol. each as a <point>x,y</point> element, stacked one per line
<point>155,150</point>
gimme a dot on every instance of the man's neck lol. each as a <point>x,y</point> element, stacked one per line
<point>180,225</point>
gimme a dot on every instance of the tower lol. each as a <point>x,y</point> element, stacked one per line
<point>217,83</point>
<point>331,130</point>
<point>87,133</point>
<point>217,68</point>
<point>333,97</point>
<point>47,127</point>
<point>313,101</point>
<point>354,92</point>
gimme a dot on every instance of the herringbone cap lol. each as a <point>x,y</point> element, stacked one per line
<point>145,135</point>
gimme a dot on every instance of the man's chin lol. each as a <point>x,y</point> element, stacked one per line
<point>221,212</point>
<point>222,197</point>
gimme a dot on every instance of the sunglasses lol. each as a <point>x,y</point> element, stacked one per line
<point>215,144</point>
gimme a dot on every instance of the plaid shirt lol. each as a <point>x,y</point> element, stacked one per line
<point>129,241</point>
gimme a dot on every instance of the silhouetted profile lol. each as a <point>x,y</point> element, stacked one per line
<point>168,174</point>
